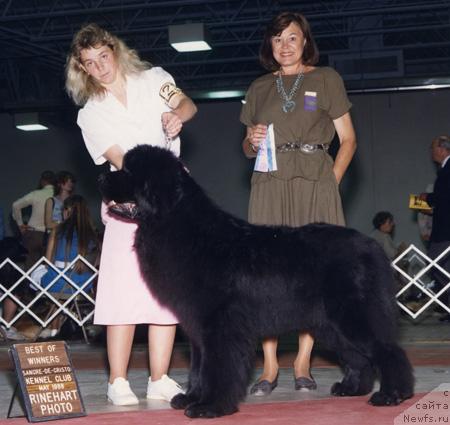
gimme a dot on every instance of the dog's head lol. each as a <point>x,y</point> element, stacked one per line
<point>150,183</point>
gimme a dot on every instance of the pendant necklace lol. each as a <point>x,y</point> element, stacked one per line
<point>288,104</point>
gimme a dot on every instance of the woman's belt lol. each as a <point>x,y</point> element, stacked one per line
<point>304,147</point>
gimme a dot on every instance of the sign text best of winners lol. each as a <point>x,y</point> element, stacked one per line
<point>47,380</point>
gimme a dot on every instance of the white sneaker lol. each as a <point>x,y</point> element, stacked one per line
<point>120,394</point>
<point>13,334</point>
<point>48,333</point>
<point>163,389</point>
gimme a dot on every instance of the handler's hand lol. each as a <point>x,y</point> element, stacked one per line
<point>256,135</point>
<point>171,124</point>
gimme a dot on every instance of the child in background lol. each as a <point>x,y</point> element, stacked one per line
<point>74,236</point>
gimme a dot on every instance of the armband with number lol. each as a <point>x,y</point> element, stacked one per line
<point>168,91</point>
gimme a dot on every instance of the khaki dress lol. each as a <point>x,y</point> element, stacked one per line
<point>303,189</point>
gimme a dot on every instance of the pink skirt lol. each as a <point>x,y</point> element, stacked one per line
<point>123,297</point>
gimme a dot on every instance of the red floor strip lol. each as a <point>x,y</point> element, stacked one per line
<point>333,411</point>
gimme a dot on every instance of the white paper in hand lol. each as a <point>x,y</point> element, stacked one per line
<point>266,160</point>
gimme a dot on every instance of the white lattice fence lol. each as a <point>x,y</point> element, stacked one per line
<point>73,293</point>
<point>414,267</point>
<point>417,276</point>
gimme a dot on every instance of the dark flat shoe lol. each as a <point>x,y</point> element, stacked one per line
<point>304,383</point>
<point>263,388</point>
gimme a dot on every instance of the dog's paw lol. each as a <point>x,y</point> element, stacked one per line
<point>339,390</point>
<point>180,401</point>
<point>380,398</point>
<point>206,411</point>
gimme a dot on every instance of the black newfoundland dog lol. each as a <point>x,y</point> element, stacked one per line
<point>232,283</point>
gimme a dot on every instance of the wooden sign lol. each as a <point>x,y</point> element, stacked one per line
<point>47,380</point>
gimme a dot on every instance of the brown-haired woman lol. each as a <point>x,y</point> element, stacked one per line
<point>307,105</point>
<point>126,102</point>
<point>74,236</point>
<point>64,187</point>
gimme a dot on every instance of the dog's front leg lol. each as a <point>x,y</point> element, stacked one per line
<point>225,371</point>
<point>193,393</point>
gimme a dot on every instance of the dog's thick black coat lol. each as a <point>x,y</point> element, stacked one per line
<point>231,283</point>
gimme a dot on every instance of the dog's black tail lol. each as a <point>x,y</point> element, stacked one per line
<point>396,375</point>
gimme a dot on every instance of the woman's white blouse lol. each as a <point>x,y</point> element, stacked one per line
<point>105,122</point>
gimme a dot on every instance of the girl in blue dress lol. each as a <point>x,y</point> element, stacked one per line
<point>74,236</point>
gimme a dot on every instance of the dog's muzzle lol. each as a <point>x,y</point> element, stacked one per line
<point>127,209</point>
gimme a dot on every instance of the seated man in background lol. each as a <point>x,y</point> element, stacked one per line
<point>384,225</point>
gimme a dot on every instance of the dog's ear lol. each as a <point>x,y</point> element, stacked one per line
<point>146,200</point>
<point>158,196</point>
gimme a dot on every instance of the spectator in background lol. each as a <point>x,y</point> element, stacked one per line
<point>65,184</point>
<point>384,225</point>
<point>439,200</point>
<point>33,232</point>
<point>75,236</point>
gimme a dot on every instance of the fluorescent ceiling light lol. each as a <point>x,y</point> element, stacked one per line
<point>32,127</point>
<point>217,94</point>
<point>191,46</point>
<point>225,94</point>
<point>189,37</point>
<point>28,121</point>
